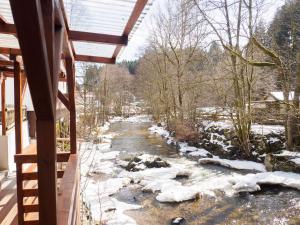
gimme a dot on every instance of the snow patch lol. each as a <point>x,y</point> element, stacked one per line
<point>235,164</point>
<point>297,161</point>
<point>159,130</point>
<point>251,182</point>
<point>132,119</point>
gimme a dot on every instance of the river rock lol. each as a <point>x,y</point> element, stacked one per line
<point>178,221</point>
<point>138,163</point>
<point>275,162</point>
<point>157,163</point>
<point>269,143</point>
<point>211,147</point>
<point>274,145</point>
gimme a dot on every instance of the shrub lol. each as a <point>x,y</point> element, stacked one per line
<point>184,131</point>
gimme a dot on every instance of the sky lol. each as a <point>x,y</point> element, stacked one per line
<point>139,40</point>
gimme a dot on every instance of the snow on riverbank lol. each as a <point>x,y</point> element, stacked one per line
<point>293,156</point>
<point>207,157</point>
<point>235,164</point>
<point>103,175</point>
<point>202,181</point>
<point>255,128</point>
<point>132,119</point>
<point>251,182</point>
<point>232,184</point>
<point>97,159</point>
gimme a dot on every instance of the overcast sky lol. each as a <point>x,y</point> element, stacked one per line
<point>139,39</point>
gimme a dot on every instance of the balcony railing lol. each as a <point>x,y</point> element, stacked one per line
<point>10,116</point>
<point>68,187</point>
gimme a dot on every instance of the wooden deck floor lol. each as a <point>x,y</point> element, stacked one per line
<point>8,202</point>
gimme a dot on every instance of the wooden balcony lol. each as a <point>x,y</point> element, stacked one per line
<point>67,195</point>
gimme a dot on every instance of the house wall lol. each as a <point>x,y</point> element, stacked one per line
<point>62,86</point>
<point>10,95</point>
<point>8,147</point>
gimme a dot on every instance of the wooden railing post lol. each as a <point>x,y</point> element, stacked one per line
<point>71,91</point>
<point>3,105</point>
<point>47,177</point>
<point>18,136</point>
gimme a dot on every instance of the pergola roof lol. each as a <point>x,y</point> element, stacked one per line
<point>97,29</point>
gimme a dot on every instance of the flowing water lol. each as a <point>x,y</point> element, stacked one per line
<point>273,205</point>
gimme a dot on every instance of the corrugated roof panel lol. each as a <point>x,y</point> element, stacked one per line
<point>95,16</point>
<point>5,11</point>
<point>8,41</point>
<point>93,49</point>
<point>99,16</point>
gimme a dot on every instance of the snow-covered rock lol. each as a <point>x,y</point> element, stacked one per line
<point>235,164</point>
<point>251,182</point>
<point>160,130</point>
<point>283,162</point>
<point>145,161</point>
<point>177,194</point>
<point>178,221</point>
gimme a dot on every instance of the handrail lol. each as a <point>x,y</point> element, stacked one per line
<point>10,116</point>
<point>68,194</point>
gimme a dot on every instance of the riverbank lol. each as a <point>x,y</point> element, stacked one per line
<point>218,145</point>
<point>111,193</point>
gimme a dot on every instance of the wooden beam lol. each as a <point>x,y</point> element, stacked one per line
<point>68,193</point>
<point>6,63</point>
<point>60,13</point>
<point>58,40</point>
<point>117,51</point>
<point>2,19</point>
<point>6,28</point>
<point>8,70</point>
<point>18,136</point>
<point>95,59</point>
<point>23,85</point>
<point>10,51</point>
<point>18,106</point>
<point>3,105</point>
<point>33,46</point>
<point>137,10</point>
<point>62,7</point>
<point>63,99</point>
<point>47,157</point>
<point>47,7</point>
<point>71,91</point>
<point>47,175</point>
<point>32,157</point>
<point>98,38</point>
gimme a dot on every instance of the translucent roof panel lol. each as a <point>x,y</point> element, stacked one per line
<point>93,49</point>
<point>99,16</point>
<point>8,41</point>
<point>95,16</point>
<point>5,11</point>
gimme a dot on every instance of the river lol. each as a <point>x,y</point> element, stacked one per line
<point>272,205</point>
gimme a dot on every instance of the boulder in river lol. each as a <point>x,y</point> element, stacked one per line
<point>146,161</point>
<point>284,163</point>
<point>178,221</point>
<point>156,163</point>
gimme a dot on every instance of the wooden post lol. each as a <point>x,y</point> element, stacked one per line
<point>18,136</point>
<point>71,90</point>
<point>3,105</point>
<point>18,106</point>
<point>35,46</point>
<point>47,176</point>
